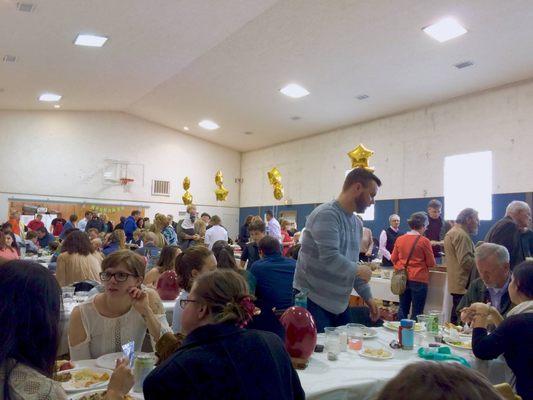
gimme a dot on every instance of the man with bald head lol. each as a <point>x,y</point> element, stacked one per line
<point>508,231</point>
<point>492,263</point>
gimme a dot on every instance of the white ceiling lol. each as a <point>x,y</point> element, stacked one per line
<point>176,62</point>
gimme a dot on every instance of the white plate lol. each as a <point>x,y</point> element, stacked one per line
<point>69,386</point>
<point>371,357</point>
<point>368,334</point>
<point>394,325</point>
<point>79,396</point>
<point>467,344</point>
<point>108,361</point>
<point>461,334</point>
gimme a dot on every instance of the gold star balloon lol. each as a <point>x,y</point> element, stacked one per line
<point>221,192</point>
<point>187,197</point>
<point>360,156</point>
<point>274,177</point>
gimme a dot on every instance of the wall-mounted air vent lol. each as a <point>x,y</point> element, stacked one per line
<point>25,7</point>
<point>464,64</point>
<point>160,188</point>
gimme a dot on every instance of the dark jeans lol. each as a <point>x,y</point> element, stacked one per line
<point>415,294</point>
<point>324,318</point>
<point>456,299</point>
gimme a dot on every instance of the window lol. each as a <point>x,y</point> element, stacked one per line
<point>368,215</point>
<point>468,183</point>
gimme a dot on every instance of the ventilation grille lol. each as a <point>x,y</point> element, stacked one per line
<point>160,188</point>
<point>8,58</point>
<point>464,64</point>
<point>25,7</point>
<point>362,97</point>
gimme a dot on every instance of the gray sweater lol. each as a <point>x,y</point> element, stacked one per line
<point>327,262</point>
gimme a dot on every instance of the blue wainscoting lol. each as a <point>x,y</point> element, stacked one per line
<point>384,208</point>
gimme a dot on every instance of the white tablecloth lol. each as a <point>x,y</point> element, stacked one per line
<point>355,377</point>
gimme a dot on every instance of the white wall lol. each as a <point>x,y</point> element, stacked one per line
<point>409,150</point>
<point>59,155</point>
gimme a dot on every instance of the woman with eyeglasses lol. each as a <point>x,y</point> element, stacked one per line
<point>218,358</point>
<point>30,304</point>
<point>120,314</point>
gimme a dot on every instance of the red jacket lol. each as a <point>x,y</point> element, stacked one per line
<point>421,260</point>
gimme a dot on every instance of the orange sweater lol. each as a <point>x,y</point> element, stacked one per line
<point>421,260</point>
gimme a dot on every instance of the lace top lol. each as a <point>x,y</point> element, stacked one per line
<point>25,383</point>
<point>107,335</point>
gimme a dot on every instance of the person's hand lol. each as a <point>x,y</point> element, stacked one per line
<point>467,315</point>
<point>140,301</point>
<point>480,308</point>
<point>364,272</point>
<point>374,310</point>
<point>121,381</point>
<point>195,237</point>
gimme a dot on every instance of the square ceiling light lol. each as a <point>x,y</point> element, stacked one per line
<point>90,40</point>
<point>208,124</point>
<point>445,29</point>
<point>49,97</point>
<point>295,91</point>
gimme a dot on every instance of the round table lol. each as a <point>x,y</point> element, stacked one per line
<point>355,377</point>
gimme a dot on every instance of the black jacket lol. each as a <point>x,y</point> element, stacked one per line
<point>223,361</point>
<point>506,233</point>
<point>478,293</point>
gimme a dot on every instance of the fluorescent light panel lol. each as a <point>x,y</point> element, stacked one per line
<point>295,91</point>
<point>208,124</point>
<point>446,29</point>
<point>49,97</point>
<point>90,40</point>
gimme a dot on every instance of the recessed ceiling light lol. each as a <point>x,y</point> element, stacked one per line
<point>186,128</point>
<point>208,124</point>
<point>362,97</point>
<point>25,7</point>
<point>446,29</point>
<point>464,64</point>
<point>90,40</point>
<point>295,91</point>
<point>50,97</point>
<point>57,106</point>
<point>296,118</point>
<point>8,58</point>
<point>248,133</point>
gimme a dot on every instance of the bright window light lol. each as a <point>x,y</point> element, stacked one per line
<point>49,97</point>
<point>368,215</point>
<point>468,183</point>
<point>90,40</point>
<point>446,29</point>
<point>295,91</point>
<point>209,125</point>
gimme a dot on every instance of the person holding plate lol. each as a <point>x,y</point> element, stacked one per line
<point>30,313</point>
<point>102,324</point>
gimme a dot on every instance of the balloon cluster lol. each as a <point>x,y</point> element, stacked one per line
<point>274,176</point>
<point>221,192</point>
<point>187,196</point>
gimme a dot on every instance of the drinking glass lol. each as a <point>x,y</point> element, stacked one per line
<point>343,337</point>
<point>332,342</point>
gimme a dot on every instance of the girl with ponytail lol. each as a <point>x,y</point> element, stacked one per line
<point>226,260</point>
<point>190,264</point>
<point>218,358</point>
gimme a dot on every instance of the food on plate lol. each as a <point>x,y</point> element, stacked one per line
<point>459,343</point>
<point>63,365</point>
<point>100,396</point>
<point>381,353</point>
<point>449,325</point>
<point>63,377</point>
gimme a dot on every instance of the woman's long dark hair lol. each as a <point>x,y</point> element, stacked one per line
<point>77,242</point>
<point>30,302</point>
<point>224,254</point>
<point>167,258</point>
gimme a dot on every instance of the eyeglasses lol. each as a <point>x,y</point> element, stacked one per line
<point>184,302</point>
<point>119,276</point>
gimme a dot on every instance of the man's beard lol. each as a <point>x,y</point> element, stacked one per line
<point>360,205</point>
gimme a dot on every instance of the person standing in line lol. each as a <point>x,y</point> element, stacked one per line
<point>327,267</point>
<point>460,261</point>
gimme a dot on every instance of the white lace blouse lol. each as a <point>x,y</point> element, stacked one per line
<point>107,335</point>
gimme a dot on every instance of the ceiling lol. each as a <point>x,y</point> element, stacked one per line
<point>177,62</point>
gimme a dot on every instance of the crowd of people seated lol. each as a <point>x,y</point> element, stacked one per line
<point>490,284</point>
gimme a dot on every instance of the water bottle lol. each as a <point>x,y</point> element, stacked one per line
<point>406,334</point>
<point>300,300</point>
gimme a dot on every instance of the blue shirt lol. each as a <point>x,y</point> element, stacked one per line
<point>110,248</point>
<point>45,241</point>
<point>497,293</point>
<point>274,275</point>
<point>130,225</point>
<point>327,261</point>
<point>68,225</point>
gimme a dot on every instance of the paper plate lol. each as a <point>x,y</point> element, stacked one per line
<point>108,361</point>
<point>80,385</point>
<point>377,358</point>
<point>86,395</point>
<point>460,344</point>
